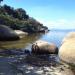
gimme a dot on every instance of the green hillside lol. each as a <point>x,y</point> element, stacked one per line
<point>18,19</point>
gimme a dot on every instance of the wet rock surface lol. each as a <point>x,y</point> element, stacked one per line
<point>14,51</point>
<point>33,65</point>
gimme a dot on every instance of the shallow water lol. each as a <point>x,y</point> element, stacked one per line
<point>24,42</point>
<point>20,65</point>
<point>54,36</point>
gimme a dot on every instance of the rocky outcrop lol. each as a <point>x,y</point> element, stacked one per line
<point>20,33</point>
<point>7,34</point>
<point>43,47</point>
<point>67,50</point>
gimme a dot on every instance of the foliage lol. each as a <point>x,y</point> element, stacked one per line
<point>18,19</point>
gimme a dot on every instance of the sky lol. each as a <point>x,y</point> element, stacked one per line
<point>58,14</point>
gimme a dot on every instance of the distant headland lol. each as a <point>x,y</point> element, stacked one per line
<point>18,19</point>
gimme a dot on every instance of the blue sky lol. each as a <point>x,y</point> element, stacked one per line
<point>53,13</point>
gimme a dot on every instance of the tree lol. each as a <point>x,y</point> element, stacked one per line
<point>8,9</point>
<point>18,19</point>
<point>21,14</point>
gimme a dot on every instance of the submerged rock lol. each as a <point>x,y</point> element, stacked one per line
<point>7,34</point>
<point>67,50</point>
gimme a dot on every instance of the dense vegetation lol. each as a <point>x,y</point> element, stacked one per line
<point>19,19</point>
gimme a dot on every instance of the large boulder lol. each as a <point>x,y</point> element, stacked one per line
<point>7,33</point>
<point>67,49</point>
<point>43,47</point>
<point>69,36</point>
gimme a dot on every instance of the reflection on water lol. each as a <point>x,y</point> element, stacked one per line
<point>55,37</point>
<point>52,36</point>
<point>7,65</point>
<point>24,42</point>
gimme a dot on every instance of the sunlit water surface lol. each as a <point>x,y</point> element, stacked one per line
<point>6,63</point>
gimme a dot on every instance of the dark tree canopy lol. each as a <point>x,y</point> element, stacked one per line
<point>18,19</point>
<point>16,13</point>
<point>21,13</point>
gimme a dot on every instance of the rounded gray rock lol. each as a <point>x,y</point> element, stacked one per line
<point>7,34</point>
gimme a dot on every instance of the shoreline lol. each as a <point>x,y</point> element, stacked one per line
<point>64,70</point>
<point>33,64</point>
